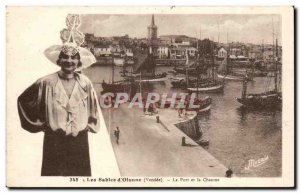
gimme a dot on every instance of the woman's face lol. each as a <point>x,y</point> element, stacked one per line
<point>69,64</point>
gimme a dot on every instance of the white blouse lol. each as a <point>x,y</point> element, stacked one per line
<point>46,104</point>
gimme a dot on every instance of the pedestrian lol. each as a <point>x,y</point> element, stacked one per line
<point>181,110</point>
<point>144,109</point>
<point>229,173</point>
<point>179,113</point>
<point>150,109</point>
<point>117,134</point>
<point>186,107</point>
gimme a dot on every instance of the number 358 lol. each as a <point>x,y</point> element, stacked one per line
<point>73,179</point>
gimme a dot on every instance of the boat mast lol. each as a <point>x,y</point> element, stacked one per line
<point>273,56</point>
<point>262,49</point>
<point>197,43</point>
<point>113,70</point>
<point>213,62</point>
<point>201,52</point>
<point>186,69</point>
<point>244,92</point>
<point>245,81</point>
<point>218,33</point>
<point>141,82</point>
<point>124,67</point>
<point>276,68</point>
<point>227,38</point>
<point>197,67</point>
<point>228,54</point>
<point>200,32</point>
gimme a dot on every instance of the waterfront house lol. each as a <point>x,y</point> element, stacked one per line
<point>177,53</point>
<point>180,52</point>
<point>191,51</point>
<point>102,51</point>
<point>128,53</point>
<point>254,54</point>
<point>268,54</point>
<point>222,53</point>
<point>163,51</point>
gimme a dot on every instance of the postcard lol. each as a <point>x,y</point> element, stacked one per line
<point>150,97</point>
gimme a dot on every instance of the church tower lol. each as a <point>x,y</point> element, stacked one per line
<point>152,30</point>
<point>152,37</point>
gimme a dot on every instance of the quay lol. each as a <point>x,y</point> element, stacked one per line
<point>148,148</point>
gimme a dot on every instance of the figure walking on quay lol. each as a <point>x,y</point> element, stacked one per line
<point>117,134</point>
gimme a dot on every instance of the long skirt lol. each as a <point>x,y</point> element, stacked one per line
<point>65,155</point>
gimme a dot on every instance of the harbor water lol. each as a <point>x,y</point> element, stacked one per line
<point>236,136</point>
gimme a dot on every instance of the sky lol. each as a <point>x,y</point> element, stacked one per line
<point>240,28</point>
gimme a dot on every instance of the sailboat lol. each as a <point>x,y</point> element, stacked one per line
<point>144,68</point>
<point>189,67</point>
<point>230,75</point>
<point>267,100</point>
<point>183,82</point>
<point>117,86</point>
<point>209,84</point>
<point>150,76</point>
<point>127,85</point>
<point>204,104</point>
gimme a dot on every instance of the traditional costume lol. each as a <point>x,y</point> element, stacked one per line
<point>65,119</point>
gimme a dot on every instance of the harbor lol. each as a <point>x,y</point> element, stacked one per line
<point>236,88</point>
<point>235,135</point>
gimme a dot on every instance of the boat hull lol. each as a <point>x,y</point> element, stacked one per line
<point>234,77</point>
<point>264,100</point>
<point>215,88</point>
<point>150,78</point>
<point>153,80</point>
<point>178,84</point>
<point>230,77</point>
<point>205,109</point>
<point>191,71</point>
<point>204,105</point>
<point>117,87</point>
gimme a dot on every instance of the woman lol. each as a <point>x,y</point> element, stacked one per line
<point>64,106</point>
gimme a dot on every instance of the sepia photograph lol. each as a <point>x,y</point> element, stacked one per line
<point>150,97</point>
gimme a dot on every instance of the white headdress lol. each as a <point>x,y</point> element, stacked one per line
<point>72,39</point>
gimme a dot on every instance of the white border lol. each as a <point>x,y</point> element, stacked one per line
<point>111,2</point>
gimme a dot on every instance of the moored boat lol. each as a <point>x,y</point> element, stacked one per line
<point>267,100</point>
<point>237,77</point>
<point>208,87</point>
<point>150,77</point>
<point>117,86</point>
<point>204,105</point>
<point>183,70</point>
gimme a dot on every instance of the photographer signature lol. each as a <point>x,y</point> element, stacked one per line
<point>252,163</point>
